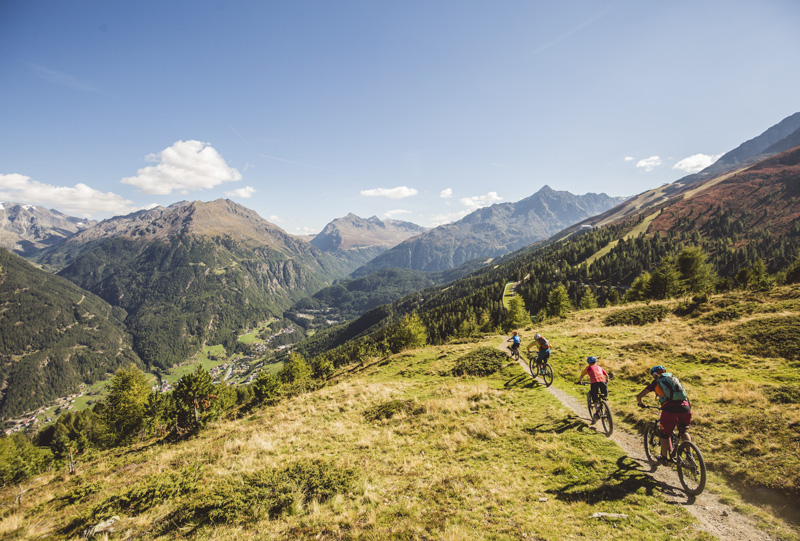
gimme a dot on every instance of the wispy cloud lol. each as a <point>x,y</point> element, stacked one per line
<point>696,162</point>
<point>396,212</point>
<point>648,164</point>
<point>391,193</point>
<point>295,163</point>
<point>446,218</point>
<point>242,193</point>
<point>478,201</point>
<point>185,166</point>
<point>79,200</point>
<point>446,193</point>
<point>62,79</point>
<point>629,158</point>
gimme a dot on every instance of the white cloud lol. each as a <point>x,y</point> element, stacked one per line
<point>396,212</point>
<point>629,158</point>
<point>441,219</point>
<point>276,219</point>
<point>185,166</point>
<point>243,193</point>
<point>79,200</point>
<point>391,193</point>
<point>649,163</point>
<point>446,193</point>
<point>696,162</point>
<point>478,201</point>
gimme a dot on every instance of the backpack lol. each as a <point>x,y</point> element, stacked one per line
<point>673,390</point>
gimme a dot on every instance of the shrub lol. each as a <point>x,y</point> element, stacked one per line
<point>390,409</point>
<point>239,499</point>
<point>480,362</point>
<point>778,336</point>
<point>641,315</point>
<point>784,394</point>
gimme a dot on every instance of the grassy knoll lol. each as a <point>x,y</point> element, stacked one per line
<point>397,448</point>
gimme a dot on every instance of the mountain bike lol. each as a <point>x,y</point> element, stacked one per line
<point>544,370</point>
<point>514,351</point>
<point>599,410</point>
<point>685,455</point>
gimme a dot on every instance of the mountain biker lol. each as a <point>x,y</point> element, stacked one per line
<point>516,340</point>
<point>544,349</point>
<point>673,413</point>
<point>598,378</point>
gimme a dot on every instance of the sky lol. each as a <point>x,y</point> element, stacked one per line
<point>421,111</point>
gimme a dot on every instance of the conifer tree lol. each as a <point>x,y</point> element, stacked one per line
<point>195,399</point>
<point>125,404</point>
<point>517,316</point>
<point>558,304</point>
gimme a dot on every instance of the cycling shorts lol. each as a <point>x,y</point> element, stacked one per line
<point>669,421</point>
<point>542,356</point>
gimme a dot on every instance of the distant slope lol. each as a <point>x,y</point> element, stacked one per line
<point>53,336</point>
<point>492,231</point>
<point>760,199</point>
<point>361,240</point>
<point>193,273</point>
<point>27,229</point>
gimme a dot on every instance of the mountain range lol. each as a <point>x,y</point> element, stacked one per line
<point>492,231</point>
<point>179,277</point>
<point>28,229</point>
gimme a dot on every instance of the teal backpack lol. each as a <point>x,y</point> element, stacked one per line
<point>673,390</point>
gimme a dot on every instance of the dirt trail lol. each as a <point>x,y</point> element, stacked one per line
<point>715,517</point>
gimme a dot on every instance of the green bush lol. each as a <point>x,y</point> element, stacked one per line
<point>729,314</point>
<point>481,362</point>
<point>240,499</point>
<point>771,336</point>
<point>390,409</point>
<point>784,394</point>
<point>640,315</point>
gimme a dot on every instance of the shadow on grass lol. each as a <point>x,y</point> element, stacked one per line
<point>522,381</point>
<point>566,424</point>
<point>629,478</point>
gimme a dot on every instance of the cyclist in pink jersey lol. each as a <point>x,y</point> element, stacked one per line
<point>598,377</point>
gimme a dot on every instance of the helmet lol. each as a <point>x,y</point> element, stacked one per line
<point>515,332</point>
<point>657,369</point>
<point>591,360</point>
<point>537,336</point>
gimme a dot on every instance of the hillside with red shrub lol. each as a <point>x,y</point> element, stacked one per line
<point>764,197</point>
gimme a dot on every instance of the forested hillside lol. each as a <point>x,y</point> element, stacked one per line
<point>734,232</point>
<point>194,273</point>
<point>53,336</point>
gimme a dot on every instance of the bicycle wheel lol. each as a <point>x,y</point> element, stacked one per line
<point>589,405</point>
<point>547,375</point>
<point>691,468</point>
<point>606,418</point>
<point>652,443</point>
<point>515,354</point>
<point>532,367</point>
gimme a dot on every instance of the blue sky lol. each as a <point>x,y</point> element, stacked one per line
<point>417,110</point>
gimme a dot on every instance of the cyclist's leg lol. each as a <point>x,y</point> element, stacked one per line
<point>684,420</point>
<point>667,424</point>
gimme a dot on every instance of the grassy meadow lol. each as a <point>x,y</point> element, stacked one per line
<point>400,447</point>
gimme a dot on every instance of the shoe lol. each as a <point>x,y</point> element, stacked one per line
<point>662,460</point>
<point>595,417</point>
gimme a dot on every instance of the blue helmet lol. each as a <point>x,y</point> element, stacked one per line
<point>591,360</point>
<point>657,369</point>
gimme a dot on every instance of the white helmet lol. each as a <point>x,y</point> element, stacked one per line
<point>537,336</point>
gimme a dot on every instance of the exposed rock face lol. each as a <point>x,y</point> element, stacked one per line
<point>27,229</point>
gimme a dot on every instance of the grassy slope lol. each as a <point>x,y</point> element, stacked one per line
<point>474,458</point>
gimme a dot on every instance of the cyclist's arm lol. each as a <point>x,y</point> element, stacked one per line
<point>584,373</point>
<point>647,390</point>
